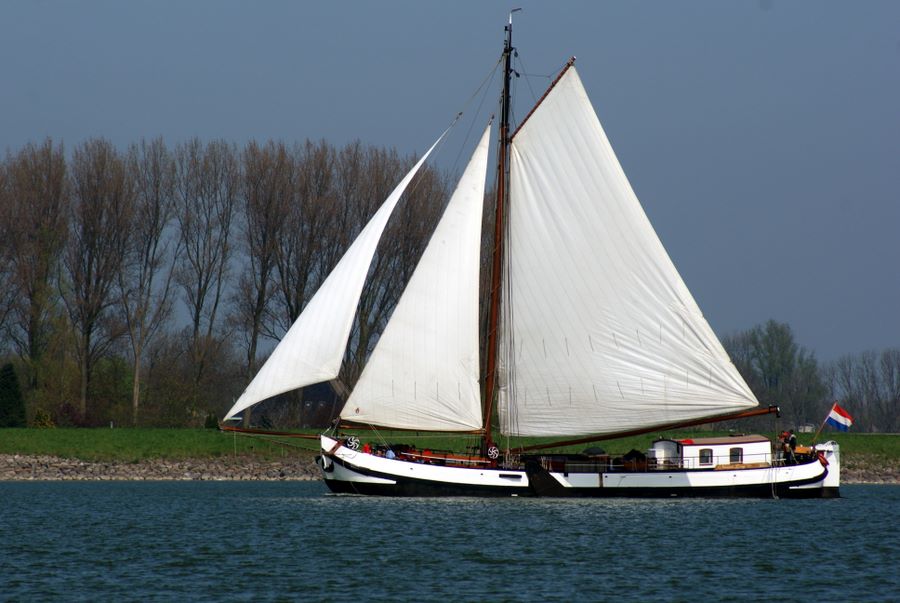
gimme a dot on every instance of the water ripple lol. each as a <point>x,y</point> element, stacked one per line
<point>235,541</point>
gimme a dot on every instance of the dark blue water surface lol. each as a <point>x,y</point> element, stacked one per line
<point>283,541</point>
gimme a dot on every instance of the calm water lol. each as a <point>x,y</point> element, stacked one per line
<point>224,541</point>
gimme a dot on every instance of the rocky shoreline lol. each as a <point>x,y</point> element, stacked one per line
<point>16,467</point>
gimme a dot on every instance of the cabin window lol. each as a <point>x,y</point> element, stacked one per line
<point>736,455</point>
<point>706,456</point>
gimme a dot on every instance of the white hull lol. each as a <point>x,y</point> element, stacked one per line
<point>352,471</point>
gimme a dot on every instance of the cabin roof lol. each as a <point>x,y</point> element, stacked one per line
<point>742,439</point>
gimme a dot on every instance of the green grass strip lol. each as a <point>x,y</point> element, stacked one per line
<point>131,445</point>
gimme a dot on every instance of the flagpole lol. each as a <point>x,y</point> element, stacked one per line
<point>822,426</point>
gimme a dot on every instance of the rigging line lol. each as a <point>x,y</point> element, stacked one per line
<point>292,445</point>
<point>379,435</point>
<point>411,189</point>
<point>507,312</point>
<point>513,97</point>
<point>417,181</point>
<point>539,75</point>
<point>534,97</point>
<point>774,462</point>
<point>485,85</point>
<point>524,72</point>
<point>272,440</point>
<point>518,74</point>
<point>484,82</point>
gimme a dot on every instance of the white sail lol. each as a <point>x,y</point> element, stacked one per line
<point>312,349</point>
<point>600,334</point>
<point>423,373</point>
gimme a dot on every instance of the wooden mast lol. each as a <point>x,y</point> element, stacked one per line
<point>490,379</point>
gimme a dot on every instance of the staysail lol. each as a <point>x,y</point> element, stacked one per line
<point>599,333</point>
<point>313,348</point>
<point>423,373</point>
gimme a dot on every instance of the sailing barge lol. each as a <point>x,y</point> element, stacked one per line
<point>592,335</point>
<point>740,466</point>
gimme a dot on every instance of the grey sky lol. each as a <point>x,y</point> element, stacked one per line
<point>763,137</point>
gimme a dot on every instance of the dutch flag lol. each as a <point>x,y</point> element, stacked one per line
<point>839,418</point>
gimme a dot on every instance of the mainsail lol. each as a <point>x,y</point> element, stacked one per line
<point>312,349</point>
<point>600,333</point>
<point>423,373</point>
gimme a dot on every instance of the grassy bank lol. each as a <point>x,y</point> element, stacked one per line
<point>104,444</point>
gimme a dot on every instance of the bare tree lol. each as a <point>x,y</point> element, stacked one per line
<point>207,186</point>
<point>146,275</point>
<point>313,229</point>
<point>7,290</point>
<point>99,236</point>
<point>267,192</point>
<point>889,405</point>
<point>368,175</point>
<point>101,211</point>
<point>306,221</point>
<point>34,224</point>
<point>399,251</point>
<point>868,385</point>
<point>337,194</point>
<point>415,220</point>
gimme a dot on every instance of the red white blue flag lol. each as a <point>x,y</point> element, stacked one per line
<point>839,418</point>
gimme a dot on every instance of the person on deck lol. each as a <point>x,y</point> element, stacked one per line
<point>791,446</point>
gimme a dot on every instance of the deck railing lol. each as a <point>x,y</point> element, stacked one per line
<point>607,464</point>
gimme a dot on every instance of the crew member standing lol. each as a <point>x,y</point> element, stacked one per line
<point>792,446</point>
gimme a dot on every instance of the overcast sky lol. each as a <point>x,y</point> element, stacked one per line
<point>762,137</point>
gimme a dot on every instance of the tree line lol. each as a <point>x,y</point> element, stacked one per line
<point>142,286</point>
<point>781,372</point>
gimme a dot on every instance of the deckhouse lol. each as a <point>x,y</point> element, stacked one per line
<point>711,453</point>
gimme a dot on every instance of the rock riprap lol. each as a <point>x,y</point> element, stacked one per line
<point>28,467</point>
